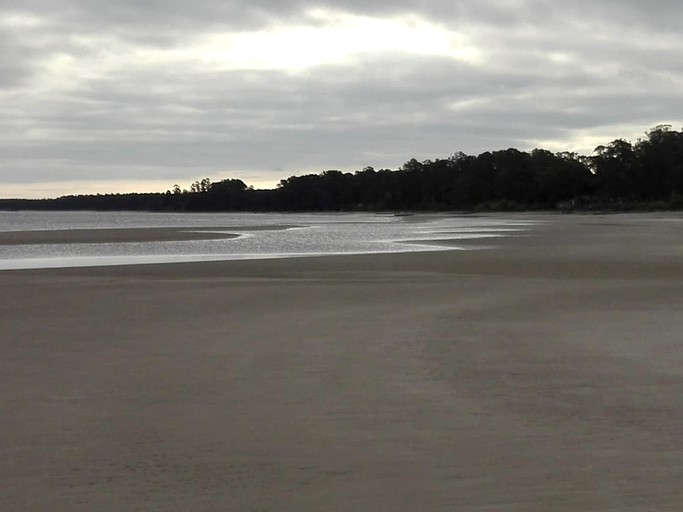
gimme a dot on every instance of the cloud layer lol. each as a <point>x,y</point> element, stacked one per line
<point>148,93</point>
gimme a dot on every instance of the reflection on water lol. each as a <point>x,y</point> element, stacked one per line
<point>315,234</point>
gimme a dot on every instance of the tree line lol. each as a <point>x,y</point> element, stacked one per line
<point>619,175</point>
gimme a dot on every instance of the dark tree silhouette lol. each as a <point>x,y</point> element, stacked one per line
<point>617,174</point>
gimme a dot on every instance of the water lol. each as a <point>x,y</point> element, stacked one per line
<point>260,236</point>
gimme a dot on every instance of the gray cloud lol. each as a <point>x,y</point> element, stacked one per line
<point>93,89</point>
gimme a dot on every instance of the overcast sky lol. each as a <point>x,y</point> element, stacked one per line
<point>103,95</point>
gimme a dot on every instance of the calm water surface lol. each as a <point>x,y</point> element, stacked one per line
<point>260,236</point>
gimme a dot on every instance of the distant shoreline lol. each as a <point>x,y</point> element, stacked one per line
<point>672,205</point>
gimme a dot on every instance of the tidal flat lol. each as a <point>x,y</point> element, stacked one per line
<point>545,374</point>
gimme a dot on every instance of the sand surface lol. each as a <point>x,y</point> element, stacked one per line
<point>546,375</point>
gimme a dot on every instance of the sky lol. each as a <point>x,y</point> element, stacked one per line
<point>100,96</point>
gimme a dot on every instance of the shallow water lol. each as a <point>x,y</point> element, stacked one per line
<point>260,236</point>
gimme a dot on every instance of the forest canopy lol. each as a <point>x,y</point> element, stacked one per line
<point>619,175</point>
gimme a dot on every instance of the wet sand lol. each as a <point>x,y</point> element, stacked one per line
<point>545,375</point>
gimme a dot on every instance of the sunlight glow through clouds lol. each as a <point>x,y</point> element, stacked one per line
<point>323,37</point>
<point>332,38</point>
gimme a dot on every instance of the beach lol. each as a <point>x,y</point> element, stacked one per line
<point>545,374</point>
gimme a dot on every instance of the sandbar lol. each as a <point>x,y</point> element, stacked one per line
<point>126,235</point>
